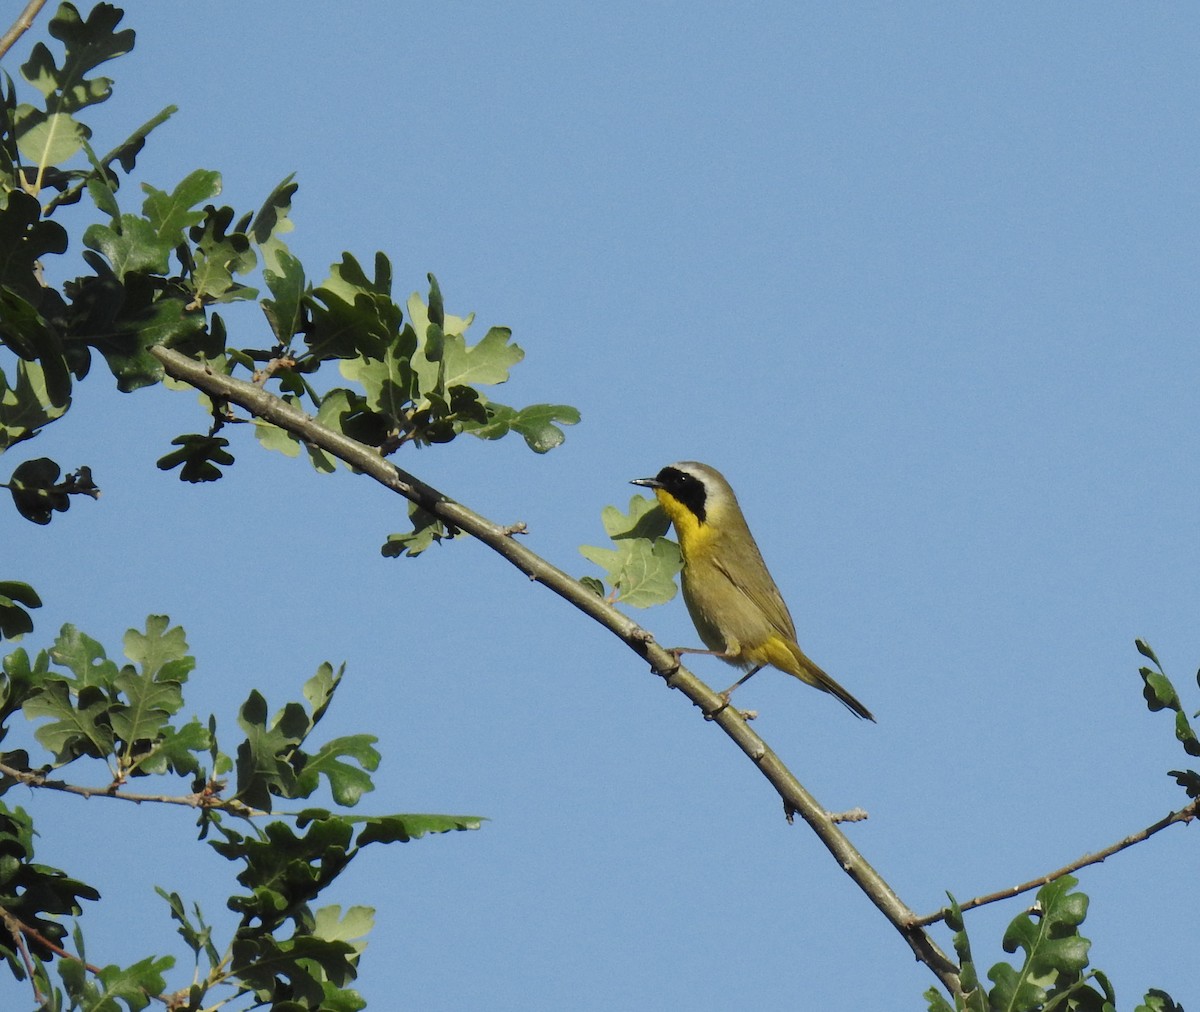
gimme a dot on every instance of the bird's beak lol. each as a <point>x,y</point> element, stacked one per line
<point>648,482</point>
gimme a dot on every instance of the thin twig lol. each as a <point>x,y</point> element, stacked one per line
<point>202,799</point>
<point>1184,815</point>
<point>19,27</point>
<point>14,926</point>
<point>29,931</point>
<point>21,931</point>
<point>366,459</point>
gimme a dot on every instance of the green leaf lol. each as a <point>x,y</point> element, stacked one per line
<point>318,690</point>
<point>15,597</point>
<point>974,999</point>
<point>305,962</point>
<point>594,585</point>
<point>283,870</point>
<point>85,658</point>
<point>27,406</point>
<point>1158,1001</point>
<point>35,894</point>
<point>161,650</point>
<point>38,494</point>
<point>134,985</point>
<point>538,424</point>
<point>150,704</point>
<point>76,727</point>
<point>131,246</point>
<point>1055,953</point>
<point>347,783</point>
<point>427,531</point>
<point>641,572</point>
<point>487,362</point>
<point>353,315</point>
<point>429,359</point>
<point>272,223</point>
<point>202,457</point>
<point>272,437</point>
<point>936,1003</point>
<point>388,380</point>
<point>198,935</point>
<point>437,311</point>
<point>1160,694</point>
<point>218,256</point>
<point>329,924</point>
<point>1189,780</point>
<point>48,138</point>
<point>403,828</point>
<point>26,239</point>
<point>170,214</point>
<point>346,411</point>
<point>127,151</point>
<point>1145,650</point>
<point>87,44</point>
<point>263,769</point>
<point>287,285</point>
<point>645,519</point>
<point>177,750</point>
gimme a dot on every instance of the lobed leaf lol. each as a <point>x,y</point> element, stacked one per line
<point>201,457</point>
<point>346,782</point>
<point>171,214</point>
<point>427,531</point>
<point>77,726</point>
<point>84,657</point>
<point>641,572</point>
<point>87,44</point>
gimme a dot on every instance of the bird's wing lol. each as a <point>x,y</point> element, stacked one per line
<point>765,598</point>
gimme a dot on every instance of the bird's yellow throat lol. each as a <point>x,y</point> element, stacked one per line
<point>693,534</point>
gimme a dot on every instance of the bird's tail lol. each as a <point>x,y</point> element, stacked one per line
<point>807,671</point>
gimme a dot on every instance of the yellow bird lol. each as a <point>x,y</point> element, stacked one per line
<point>735,605</point>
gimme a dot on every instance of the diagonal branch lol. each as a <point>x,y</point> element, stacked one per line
<point>367,459</point>
<point>1183,816</point>
<point>19,27</point>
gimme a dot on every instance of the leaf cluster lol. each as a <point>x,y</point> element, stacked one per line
<point>385,372</point>
<point>1053,973</point>
<point>125,719</point>
<point>1160,694</point>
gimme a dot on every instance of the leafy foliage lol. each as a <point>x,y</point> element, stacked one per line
<point>124,716</point>
<point>1160,694</point>
<point>406,374</point>
<point>1053,973</point>
<point>151,274</point>
<point>641,569</point>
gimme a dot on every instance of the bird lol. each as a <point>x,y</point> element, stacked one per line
<point>735,605</point>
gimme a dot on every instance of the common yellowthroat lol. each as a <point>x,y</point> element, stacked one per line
<point>735,605</point>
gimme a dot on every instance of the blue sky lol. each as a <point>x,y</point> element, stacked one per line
<point>920,279</point>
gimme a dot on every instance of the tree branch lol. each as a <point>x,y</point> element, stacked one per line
<point>1184,815</point>
<point>14,926</point>
<point>19,27</point>
<point>367,459</point>
<point>202,799</point>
